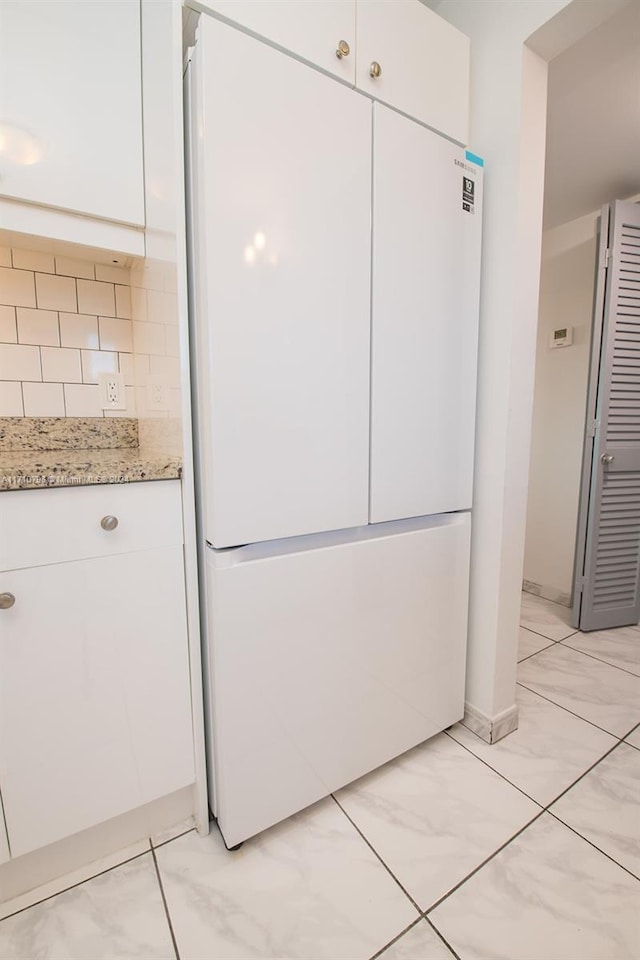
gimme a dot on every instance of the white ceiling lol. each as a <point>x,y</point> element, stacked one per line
<point>593,120</point>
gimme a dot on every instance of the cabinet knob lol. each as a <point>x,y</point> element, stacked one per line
<point>7,600</point>
<point>109,523</point>
<point>343,50</point>
<point>607,458</point>
<point>375,70</point>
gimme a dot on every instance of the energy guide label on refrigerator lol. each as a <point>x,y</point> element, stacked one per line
<point>468,195</point>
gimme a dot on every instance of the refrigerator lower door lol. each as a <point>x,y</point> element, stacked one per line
<point>330,655</point>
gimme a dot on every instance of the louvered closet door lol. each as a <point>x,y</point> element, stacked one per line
<point>611,590</point>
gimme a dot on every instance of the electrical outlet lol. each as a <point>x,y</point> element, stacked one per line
<point>111,390</point>
<point>157,393</point>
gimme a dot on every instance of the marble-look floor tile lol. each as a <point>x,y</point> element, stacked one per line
<point>620,647</point>
<point>434,814</point>
<point>594,690</point>
<point>420,942</point>
<point>550,749</point>
<point>634,738</point>
<point>530,643</point>
<point>549,619</point>
<point>308,887</point>
<point>549,894</point>
<point>116,916</point>
<point>604,807</point>
<point>170,833</point>
<point>52,887</point>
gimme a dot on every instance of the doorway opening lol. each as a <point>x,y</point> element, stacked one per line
<point>593,141</point>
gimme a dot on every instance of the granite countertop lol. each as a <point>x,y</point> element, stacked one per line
<point>40,452</point>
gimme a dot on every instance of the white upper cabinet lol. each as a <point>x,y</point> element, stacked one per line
<point>323,32</point>
<point>413,60</point>
<point>71,107</point>
<point>426,274</point>
<point>282,173</point>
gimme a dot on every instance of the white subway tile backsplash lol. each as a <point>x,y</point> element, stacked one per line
<point>11,399</point>
<point>64,320</point>
<point>148,338</point>
<point>97,361</point>
<point>68,267</point>
<point>79,330</point>
<point>43,399</point>
<point>33,260</point>
<point>56,293</point>
<point>143,408</point>
<point>154,275</point>
<point>140,369</point>
<point>161,306</point>
<point>61,365</point>
<point>139,307</point>
<point>17,288</point>
<point>127,368</point>
<point>39,327</point>
<point>168,368</point>
<point>82,400</point>
<point>112,274</point>
<point>115,334</point>
<point>123,302</point>
<point>96,297</point>
<point>18,362</point>
<point>8,329</point>
<point>172,340</point>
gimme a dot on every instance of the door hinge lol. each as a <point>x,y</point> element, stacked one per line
<point>607,257</point>
<point>592,428</point>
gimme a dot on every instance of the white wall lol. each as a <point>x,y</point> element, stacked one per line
<point>566,298</point>
<point>508,115</point>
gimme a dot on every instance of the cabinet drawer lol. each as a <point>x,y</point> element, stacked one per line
<point>38,527</point>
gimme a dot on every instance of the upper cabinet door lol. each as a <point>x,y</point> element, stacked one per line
<point>281,199</point>
<point>415,61</point>
<point>71,106</point>
<point>426,275</point>
<point>323,32</point>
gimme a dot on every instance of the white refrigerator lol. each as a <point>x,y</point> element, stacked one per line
<point>334,252</point>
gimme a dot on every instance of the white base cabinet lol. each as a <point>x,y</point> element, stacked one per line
<point>95,709</point>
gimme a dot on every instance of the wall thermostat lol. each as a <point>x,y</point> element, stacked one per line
<point>562,337</point>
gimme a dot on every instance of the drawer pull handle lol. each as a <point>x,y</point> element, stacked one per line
<point>7,600</point>
<point>375,70</point>
<point>109,523</point>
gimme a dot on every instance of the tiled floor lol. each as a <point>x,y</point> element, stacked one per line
<point>529,848</point>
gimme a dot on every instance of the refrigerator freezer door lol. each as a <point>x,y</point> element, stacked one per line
<point>426,279</point>
<point>330,655</point>
<point>281,191</point>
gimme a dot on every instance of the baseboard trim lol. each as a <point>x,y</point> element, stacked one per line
<point>93,850</point>
<point>546,592</point>
<point>490,729</point>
